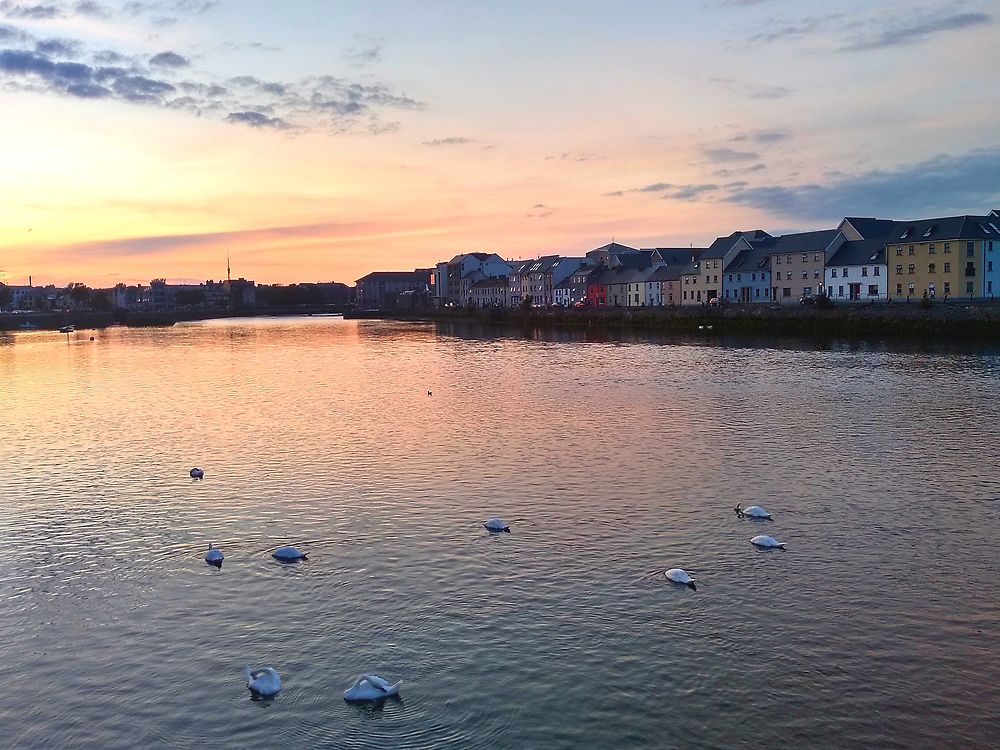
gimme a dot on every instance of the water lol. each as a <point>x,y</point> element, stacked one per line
<point>612,461</point>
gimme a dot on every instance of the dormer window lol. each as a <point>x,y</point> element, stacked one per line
<point>905,234</point>
<point>930,230</point>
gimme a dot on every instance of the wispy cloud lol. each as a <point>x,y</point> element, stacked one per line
<point>941,185</point>
<point>654,187</point>
<point>454,141</point>
<point>68,67</point>
<point>169,60</point>
<point>728,154</point>
<point>360,57</point>
<point>752,90</point>
<point>906,31</point>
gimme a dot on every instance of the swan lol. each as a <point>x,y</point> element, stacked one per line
<point>288,554</point>
<point>371,687</point>
<point>755,511</point>
<point>763,540</point>
<point>197,473</point>
<point>263,682</point>
<point>214,556</point>
<point>679,575</point>
<point>496,525</point>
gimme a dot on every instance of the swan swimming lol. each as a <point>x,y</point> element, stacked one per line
<point>763,540</point>
<point>371,687</point>
<point>496,526</point>
<point>214,556</point>
<point>679,575</point>
<point>288,554</point>
<point>755,511</point>
<point>263,682</point>
<point>196,473</point>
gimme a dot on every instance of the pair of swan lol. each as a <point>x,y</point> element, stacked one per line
<point>215,557</point>
<point>266,682</point>
<point>758,513</point>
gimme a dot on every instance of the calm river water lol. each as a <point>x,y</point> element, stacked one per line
<point>611,460</point>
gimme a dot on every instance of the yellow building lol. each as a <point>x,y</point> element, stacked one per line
<point>940,258</point>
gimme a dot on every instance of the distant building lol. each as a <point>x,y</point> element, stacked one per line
<point>798,263</point>
<point>378,290</point>
<point>472,267</point>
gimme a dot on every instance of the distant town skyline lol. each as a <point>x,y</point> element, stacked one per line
<point>330,139</point>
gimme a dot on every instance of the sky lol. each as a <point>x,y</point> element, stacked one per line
<point>318,140</point>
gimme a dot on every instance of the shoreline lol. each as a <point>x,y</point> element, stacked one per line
<point>951,320</point>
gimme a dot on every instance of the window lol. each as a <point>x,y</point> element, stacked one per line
<point>840,290</point>
<point>816,274</point>
<point>730,277</point>
<point>727,294</point>
<point>930,249</point>
<point>947,247</point>
<point>875,271</point>
<point>757,291</point>
<point>947,267</point>
<point>777,259</point>
<point>989,247</point>
<point>806,291</point>
<point>715,264</point>
<point>815,257</point>
<point>753,277</point>
<point>715,279</point>
<point>873,290</point>
<point>970,269</point>
<point>786,291</point>
<point>788,259</point>
<point>911,268</point>
<point>970,249</point>
<point>899,249</point>
<point>864,270</point>
<point>805,274</point>
<point>911,251</point>
<point>699,297</point>
<point>947,287</point>
<point>899,269</point>
<point>833,273</point>
<point>989,265</point>
<point>931,268</point>
<point>989,287</point>
<point>845,273</point>
<point>911,289</point>
<point>899,288</point>
<point>685,294</point>
<point>805,257</point>
<point>968,287</point>
<point>739,277</point>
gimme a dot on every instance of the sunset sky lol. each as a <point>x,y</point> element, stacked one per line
<point>321,139</point>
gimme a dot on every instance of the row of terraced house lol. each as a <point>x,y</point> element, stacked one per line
<point>862,259</point>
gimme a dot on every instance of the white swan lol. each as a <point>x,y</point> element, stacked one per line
<point>214,556</point>
<point>196,473</point>
<point>371,687</point>
<point>288,554</point>
<point>763,540</point>
<point>263,682</point>
<point>679,575</point>
<point>755,511</point>
<point>496,526</point>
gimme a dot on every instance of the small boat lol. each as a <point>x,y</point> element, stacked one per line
<point>67,329</point>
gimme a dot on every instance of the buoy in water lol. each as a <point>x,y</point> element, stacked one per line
<point>197,473</point>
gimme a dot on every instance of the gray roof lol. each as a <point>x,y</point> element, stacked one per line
<point>858,253</point>
<point>804,242</point>
<point>671,272</point>
<point>636,260</point>
<point>615,247</point>
<point>490,283</point>
<point>947,228</point>
<point>756,258</point>
<point>870,228</point>
<point>678,255</point>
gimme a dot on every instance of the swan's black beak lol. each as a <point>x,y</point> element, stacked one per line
<point>691,586</point>
<point>506,530</point>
